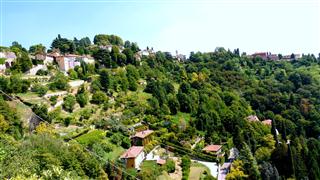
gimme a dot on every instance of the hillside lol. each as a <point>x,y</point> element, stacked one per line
<point>89,112</point>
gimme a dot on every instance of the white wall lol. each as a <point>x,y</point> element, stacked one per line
<point>139,160</point>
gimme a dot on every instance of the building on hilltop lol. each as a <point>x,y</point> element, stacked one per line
<point>7,60</point>
<point>133,157</point>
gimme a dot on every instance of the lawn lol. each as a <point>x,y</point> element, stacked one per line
<point>164,176</point>
<point>197,170</point>
<point>116,152</point>
<point>32,97</point>
<point>28,95</point>
<point>91,137</point>
<point>99,136</point>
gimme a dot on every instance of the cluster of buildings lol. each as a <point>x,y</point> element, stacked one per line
<point>65,62</point>
<point>69,61</point>
<point>254,118</point>
<point>6,60</point>
<point>275,57</point>
<point>135,155</point>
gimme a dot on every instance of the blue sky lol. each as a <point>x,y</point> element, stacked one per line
<point>279,26</point>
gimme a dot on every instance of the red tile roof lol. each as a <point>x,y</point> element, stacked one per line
<point>133,152</point>
<point>143,134</point>
<point>267,122</point>
<point>212,148</point>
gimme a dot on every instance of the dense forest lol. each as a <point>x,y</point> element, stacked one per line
<point>209,95</point>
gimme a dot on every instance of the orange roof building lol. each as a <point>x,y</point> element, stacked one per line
<point>133,157</point>
<point>142,138</point>
<point>213,149</point>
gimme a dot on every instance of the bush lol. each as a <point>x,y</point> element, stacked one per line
<point>60,81</point>
<point>42,72</point>
<point>126,143</point>
<point>82,99</point>
<point>53,100</point>
<point>99,97</point>
<point>41,90</point>
<point>69,102</point>
<point>67,121</point>
<point>185,164</point>
<point>170,166</point>
<point>73,74</point>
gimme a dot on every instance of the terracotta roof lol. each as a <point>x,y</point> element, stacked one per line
<point>161,161</point>
<point>133,152</point>
<point>267,122</point>
<point>143,134</point>
<point>212,148</point>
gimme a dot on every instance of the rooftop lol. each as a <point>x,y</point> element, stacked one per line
<point>252,118</point>
<point>143,134</point>
<point>267,122</point>
<point>212,148</point>
<point>133,152</point>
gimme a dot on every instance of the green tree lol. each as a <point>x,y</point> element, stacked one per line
<point>105,79</point>
<point>60,81</point>
<point>82,98</point>
<point>23,63</point>
<point>99,97</point>
<point>249,162</point>
<point>72,74</point>
<point>68,103</point>
<point>41,90</point>
<point>37,49</point>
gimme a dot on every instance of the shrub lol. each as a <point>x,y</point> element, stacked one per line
<point>42,72</point>
<point>41,90</point>
<point>67,121</point>
<point>185,164</point>
<point>170,166</point>
<point>53,100</point>
<point>69,102</point>
<point>82,99</point>
<point>99,97</point>
<point>60,81</point>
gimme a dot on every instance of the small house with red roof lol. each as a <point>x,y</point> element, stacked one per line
<point>133,157</point>
<point>142,138</point>
<point>213,149</point>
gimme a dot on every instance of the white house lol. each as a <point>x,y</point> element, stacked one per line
<point>133,157</point>
<point>8,57</point>
<point>67,62</point>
